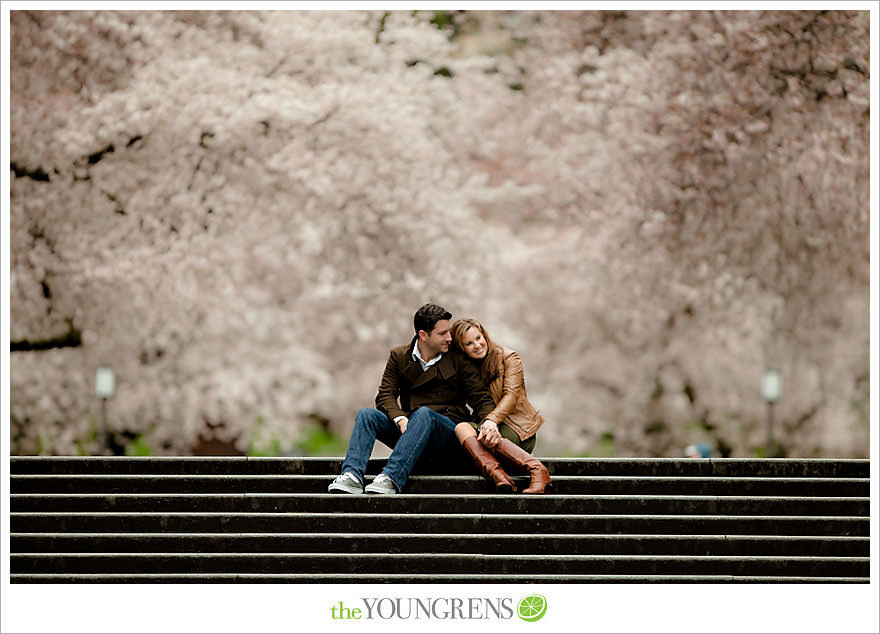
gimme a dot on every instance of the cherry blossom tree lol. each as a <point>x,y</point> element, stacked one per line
<point>744,242</point>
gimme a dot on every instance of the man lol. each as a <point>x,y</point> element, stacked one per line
<point>424,393</point>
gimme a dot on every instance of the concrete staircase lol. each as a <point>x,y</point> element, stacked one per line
<point>270,520</point>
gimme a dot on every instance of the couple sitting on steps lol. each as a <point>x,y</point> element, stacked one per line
<point>422,409</point>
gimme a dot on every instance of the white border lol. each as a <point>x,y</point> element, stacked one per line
<point>572,608</point>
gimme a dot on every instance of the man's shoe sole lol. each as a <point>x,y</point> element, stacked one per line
<point>339,489</point>
<point>378,492</point>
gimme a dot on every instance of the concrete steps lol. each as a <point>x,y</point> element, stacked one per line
<point>446,485</point>
<point>501,543</point>
<point>270,520</point>
<point>239,465</point>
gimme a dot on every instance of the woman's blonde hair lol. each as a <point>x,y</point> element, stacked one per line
<point>491,365</point>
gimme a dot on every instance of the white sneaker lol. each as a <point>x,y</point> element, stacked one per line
<point>382,484</point>
<point>346,483</point>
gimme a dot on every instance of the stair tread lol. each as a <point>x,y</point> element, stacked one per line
<point>433,477</point>
<point>433,578</point>
<point>437,496</point>
<point>518,557</point>
<point>558,465</point>
<point>429,536</point>
<point>417,515</point>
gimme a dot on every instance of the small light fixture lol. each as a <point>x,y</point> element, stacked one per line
<point>105,382</point>
<point>105,387</point>
<point>771,390</point>
<point>771,385</point>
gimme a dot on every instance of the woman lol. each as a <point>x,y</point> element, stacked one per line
<point>509,430</point>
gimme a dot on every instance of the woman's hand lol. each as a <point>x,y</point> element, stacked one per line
<point>489,434</point>
<point>401,423</point>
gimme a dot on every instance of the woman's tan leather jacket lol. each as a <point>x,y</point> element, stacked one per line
<point>512,406</point>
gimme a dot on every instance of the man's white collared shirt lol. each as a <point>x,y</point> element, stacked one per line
<point>418,357</point>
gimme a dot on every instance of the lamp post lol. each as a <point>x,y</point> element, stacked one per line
<point>105,387</point>
<point>771,389</point>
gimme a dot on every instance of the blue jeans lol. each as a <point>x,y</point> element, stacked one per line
<point>428,434</point>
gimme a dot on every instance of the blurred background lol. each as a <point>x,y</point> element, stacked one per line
<point>220,223</point>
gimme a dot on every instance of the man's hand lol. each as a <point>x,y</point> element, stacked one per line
<point>401,423</point>
<point>489,434</point>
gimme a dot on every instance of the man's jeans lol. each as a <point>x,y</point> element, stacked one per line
<point>428,435</point>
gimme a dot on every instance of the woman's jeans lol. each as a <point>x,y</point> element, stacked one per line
<point>428,435</point>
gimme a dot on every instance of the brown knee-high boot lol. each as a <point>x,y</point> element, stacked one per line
<point>527,462</point>
<point>488,465</point>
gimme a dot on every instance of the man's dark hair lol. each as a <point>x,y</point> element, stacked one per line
<point>428,315</point>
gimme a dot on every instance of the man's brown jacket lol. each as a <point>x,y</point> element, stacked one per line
<point>447,387</point>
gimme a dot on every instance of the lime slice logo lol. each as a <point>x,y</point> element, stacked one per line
<point>532,608</point>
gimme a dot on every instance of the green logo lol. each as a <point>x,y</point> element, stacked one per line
<point>532,608</point>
